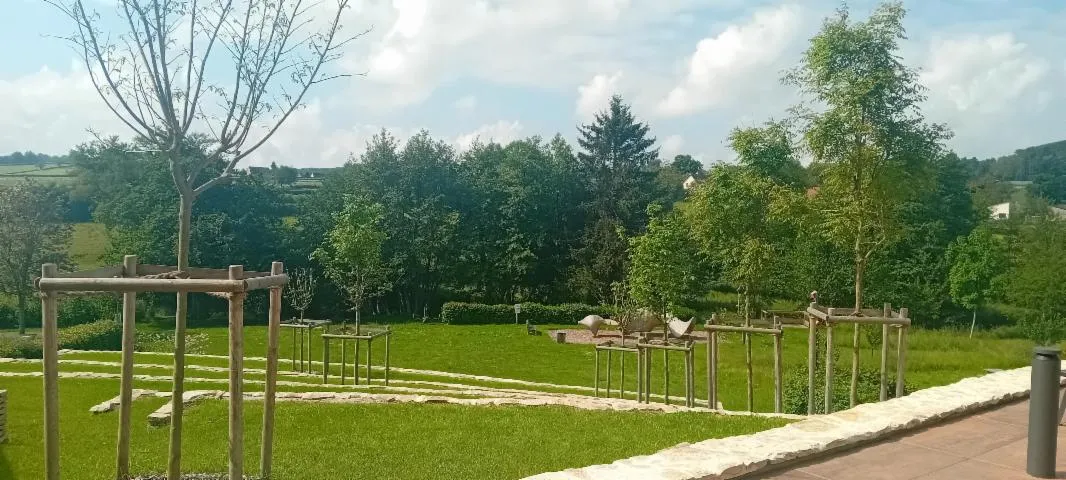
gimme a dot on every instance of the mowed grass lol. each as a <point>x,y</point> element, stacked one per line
<point>934,357</point>
<point>88,245</point>
<point>394,441</point>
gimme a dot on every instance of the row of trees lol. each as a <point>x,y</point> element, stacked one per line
<point>404,227</point>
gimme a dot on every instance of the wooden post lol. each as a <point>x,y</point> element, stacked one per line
<point>294,348</point>
<point>325,360</point>
<point>596,383</point>
<point>812,325</point>
<point>712,366</point>
<point>303,339</point>
<point>266,447</point>
<point>236,375</point>
<point>310,334</point>
<point>883,390</point>
<point>369,362</point>
<point>828,400</point>
<point>853,392</point>
<point>747,365</point>
<point>777,372</point>
<point>355,360</point>
<point>666,375</point>
<point>344,359</point>
<point>621,375</point>
<point>125,404</point>
<point>689,380</point>
<point>610,360</point>
<point>647,375</point>
<point>640,374</point>
<point>901,354</point>
<point>388,338</point>
<point>50,362</point>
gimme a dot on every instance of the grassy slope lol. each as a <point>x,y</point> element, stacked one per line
<point>352,441</point>
<point>933,357</point>
<point>88,244</point>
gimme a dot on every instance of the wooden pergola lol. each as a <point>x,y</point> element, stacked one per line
<point>129,278</point>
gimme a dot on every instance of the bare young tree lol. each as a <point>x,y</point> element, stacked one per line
<point>301,290</point>
<point>233,70</point>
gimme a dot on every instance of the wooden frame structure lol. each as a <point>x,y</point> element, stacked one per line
<point>130,278</point>
<point>368,337</point>
<point>303,329</point>
<point>713,329</point>
<point>622,350</point>
<point>831,317</point>
<point>642,350</point>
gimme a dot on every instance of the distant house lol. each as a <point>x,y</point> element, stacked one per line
<point>1058,213</point>
<point>689,182</point>
<point>999,211</point>
<point>813,191</point>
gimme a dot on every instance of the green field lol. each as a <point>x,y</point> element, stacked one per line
<point>12,174</point>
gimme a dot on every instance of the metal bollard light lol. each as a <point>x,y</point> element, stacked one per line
<point>1043,412</point>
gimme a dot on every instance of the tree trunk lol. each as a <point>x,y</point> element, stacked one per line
<point>973,322</point>
<point>860,270</point>
<point>22,311</point>
<point>180,313</point>
<point>358,307</point>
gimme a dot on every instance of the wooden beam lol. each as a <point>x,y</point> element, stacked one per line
<point>198,273</point>
<point>817,312</point>
<point>883,380</point>
<point>102,272</point>
<point>139,285</point>
<point>269,281</point>
<point>731,328</point>
<point>868,320</point>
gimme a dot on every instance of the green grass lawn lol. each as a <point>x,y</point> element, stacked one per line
<point>88,245</point>
<point>398,441</point>
<point>934,357</point>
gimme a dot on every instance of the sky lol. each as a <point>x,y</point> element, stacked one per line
<point>501,70</point>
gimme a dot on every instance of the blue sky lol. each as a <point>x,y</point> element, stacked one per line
<point>501,69</point>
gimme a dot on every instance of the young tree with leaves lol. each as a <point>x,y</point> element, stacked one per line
<point>978,262</point>
<point>663,265</point>
<point>301,290</point>
<point>165,77</point>
<point>32,232</point>
<point>870,142</point>
<point>1036,282</point>
<point>351,253</point>
<point>734,219</point>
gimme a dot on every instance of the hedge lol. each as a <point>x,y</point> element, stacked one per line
<point>98,335</point>
<point>458,313</point>
<point>72,311</point>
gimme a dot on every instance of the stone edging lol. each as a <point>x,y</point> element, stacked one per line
<point>734,456</point>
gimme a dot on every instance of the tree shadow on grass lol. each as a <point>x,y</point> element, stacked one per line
<point>5,466</point>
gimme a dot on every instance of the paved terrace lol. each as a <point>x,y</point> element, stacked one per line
<point>987,445</point>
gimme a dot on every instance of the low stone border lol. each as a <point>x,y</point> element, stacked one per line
<point>734,456</point>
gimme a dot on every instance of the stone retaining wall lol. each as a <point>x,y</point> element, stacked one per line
<point>734,456</point>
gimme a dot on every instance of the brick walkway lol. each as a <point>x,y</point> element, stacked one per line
<point>989,445</point>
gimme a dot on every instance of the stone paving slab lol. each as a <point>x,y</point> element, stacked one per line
<point>742,455</point>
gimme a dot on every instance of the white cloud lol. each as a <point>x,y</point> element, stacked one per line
<point>502,132</point>
<point>466,104</point>
<point>50,112</point>
<point>995,91</point>
<point>595,95</point>
<point>743,57</point>
<point>671,146</point>
<point>548,44</point>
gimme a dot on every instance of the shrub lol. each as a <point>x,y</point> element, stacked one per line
<point>98,335</point>
<point>13,346</point>
<point>795,394</point>
<point>458,313</point>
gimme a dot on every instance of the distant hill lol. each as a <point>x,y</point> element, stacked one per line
<point>31,158</point>
<point>1043,165</point>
